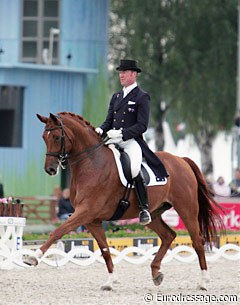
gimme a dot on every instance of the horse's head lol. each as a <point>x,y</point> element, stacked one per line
<point>58,142</point>
<point>68,136</point>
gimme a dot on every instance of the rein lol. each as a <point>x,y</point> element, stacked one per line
<point>63,156</point>
<point>90,150</point>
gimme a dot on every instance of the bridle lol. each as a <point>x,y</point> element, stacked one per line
<point>62,155</point>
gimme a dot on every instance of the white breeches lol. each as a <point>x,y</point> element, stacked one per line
<point>134,151</point>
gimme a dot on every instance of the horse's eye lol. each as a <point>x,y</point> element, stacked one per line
<point>57,139</point>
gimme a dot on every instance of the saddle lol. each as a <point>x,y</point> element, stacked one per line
<point>126,166</point>
<point>124,170</point>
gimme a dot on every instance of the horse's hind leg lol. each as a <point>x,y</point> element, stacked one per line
<point>198,245</point>
<point>167,235</point>
<point>98,233</point>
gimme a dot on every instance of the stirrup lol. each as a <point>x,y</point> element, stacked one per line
<point>144,217</point>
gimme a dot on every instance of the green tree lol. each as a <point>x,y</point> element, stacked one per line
<point>201,66</point>
<point>187,50</point>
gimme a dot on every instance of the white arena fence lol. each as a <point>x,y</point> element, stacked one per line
<point>12,254</point>
<point>83,257</point>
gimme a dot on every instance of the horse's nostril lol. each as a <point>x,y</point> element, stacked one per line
<point>51,171</point>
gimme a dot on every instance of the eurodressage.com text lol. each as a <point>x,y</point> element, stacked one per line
<point>198,298</point>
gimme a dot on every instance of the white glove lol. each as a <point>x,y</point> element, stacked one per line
<point>114,134</point>
<point>99,130</point>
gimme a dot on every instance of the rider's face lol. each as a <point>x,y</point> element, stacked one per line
<point>127,77</point>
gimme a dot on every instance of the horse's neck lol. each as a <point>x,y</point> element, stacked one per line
<point>96,167</point>
<point>87,149</point>
<point>84,138</point>
<point>88,155</point>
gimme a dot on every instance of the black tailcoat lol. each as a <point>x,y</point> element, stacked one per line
<point>131,114</point>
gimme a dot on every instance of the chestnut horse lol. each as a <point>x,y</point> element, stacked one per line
<point>96,190</point>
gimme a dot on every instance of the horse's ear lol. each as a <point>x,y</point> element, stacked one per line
<point>53,117</point>
<point>42,118</point>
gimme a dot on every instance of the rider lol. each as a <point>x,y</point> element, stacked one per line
<point>126,121</point>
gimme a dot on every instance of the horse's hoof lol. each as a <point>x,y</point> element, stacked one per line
<point>31,261</point>
<point>106,287</point>
<point>157,280</point>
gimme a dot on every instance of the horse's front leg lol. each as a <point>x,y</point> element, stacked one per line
<point>98,233</point>
<point>69,225</point>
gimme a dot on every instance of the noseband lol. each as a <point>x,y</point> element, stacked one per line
<point>62,155</point>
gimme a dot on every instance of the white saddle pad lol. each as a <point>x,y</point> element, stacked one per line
<point>153,180</point>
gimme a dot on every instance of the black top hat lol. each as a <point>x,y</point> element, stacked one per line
<point>127,64</point>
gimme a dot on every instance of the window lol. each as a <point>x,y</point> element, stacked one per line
<point>40,31</point>
<point>11,116</point>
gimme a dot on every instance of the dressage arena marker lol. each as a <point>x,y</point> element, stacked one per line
<point>57,257</point>
<point>11,232</point>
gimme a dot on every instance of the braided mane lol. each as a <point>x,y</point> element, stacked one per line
<point>77,118</point>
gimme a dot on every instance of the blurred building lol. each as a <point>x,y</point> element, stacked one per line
<point>49,49</point>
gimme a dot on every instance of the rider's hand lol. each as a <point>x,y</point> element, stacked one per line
<point>99,130</point>
<point>114,133</point>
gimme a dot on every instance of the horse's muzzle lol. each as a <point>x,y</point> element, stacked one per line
<point>51,170</point>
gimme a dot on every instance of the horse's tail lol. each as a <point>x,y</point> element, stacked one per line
<point>210,221</point>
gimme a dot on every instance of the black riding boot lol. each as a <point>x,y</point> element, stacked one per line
<point>141,191</point>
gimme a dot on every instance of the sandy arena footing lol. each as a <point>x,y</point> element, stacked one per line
<point>74,285</point>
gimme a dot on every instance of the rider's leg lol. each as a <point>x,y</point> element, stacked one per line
<point>134,151</point>
<point>141,191</point>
